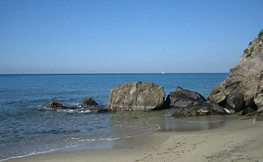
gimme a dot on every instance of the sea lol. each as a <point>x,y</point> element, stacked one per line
<point>27,127</point>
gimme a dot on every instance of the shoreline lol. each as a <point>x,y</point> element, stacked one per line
<point>237,140</point>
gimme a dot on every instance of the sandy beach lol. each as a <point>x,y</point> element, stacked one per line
<point>238,140</point>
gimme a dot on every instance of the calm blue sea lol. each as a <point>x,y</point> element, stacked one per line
<point>26,128</point>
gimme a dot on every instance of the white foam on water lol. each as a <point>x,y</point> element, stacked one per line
<point>48,151</point>
<point>78,110</point>
<point>72,146</point>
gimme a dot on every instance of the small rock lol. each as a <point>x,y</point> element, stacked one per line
<point>99,110</point>
<point>89,102</point>
<point>235,101</point>
<point>56,105</point>
<point>216,107</point>
<point>259,116</point>
<point>247,111</point>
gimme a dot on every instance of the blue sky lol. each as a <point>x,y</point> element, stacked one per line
<point>125,36</point>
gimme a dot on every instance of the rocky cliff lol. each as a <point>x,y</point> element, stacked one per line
<point>245,78</point>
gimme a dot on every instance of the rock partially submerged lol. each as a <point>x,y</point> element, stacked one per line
<point>194,111</point>
<point>136,96</point>
<point>99,110</point>
<point>190,104</point>
<point>246,78</point>
<point>90,102</point>
<point>56,105</point>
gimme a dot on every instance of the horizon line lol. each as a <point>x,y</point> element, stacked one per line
<point>112,73</point>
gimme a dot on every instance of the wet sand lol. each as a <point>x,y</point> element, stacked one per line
<point>238,140</point>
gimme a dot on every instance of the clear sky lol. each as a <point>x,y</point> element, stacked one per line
<point>125,36</point>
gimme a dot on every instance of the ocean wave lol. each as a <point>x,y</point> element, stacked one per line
<point>39,152</point>
<point>80,140</point>
<point>69,110</point>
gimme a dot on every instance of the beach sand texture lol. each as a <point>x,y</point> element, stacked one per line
<point>238,140</point>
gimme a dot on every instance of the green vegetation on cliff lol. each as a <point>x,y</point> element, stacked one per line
<point>260,33</point>
<point>255,46</point>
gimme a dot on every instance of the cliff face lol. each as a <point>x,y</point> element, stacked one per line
<point>245,78</point>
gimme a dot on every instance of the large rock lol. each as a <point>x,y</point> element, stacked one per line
<point>190,104</point>
<point>136,96</point>
<point>245,78</point>
<point>183,98</point>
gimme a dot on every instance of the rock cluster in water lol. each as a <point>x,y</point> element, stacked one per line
<point>149,96</point>
<point>241,92</point>
<point>89,103</point>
